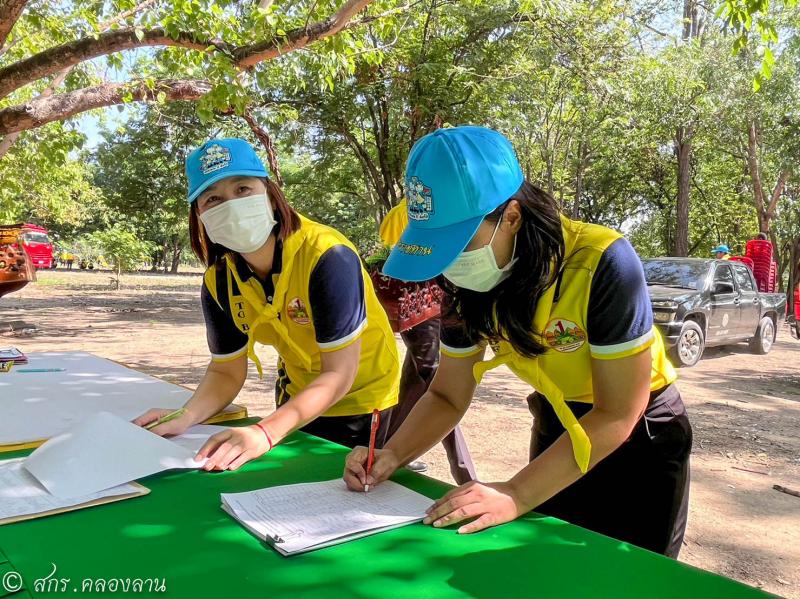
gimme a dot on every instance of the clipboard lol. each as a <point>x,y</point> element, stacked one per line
<point>140,492</point>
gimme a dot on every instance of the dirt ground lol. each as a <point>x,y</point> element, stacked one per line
<point>745,410</point>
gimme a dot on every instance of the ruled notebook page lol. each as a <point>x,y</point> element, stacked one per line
<point>309,516</point>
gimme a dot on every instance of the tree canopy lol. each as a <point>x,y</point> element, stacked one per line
<point>677,123</point>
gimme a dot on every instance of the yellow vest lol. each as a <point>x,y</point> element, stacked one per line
<point>287,323</point>
<point>394,223</point>
<point>564,372</point>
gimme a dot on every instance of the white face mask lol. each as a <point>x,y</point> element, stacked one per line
<point>477,270</point>
<point>242,225</point>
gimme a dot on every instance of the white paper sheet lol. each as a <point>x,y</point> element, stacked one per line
<point>196,436</point>
<point>22,495</point>
<point>104,451</point>
<point>309,516</point>
<point>41,405</point>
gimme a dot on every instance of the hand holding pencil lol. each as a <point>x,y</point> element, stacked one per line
<point>165,421</point>
<point>366,467</point>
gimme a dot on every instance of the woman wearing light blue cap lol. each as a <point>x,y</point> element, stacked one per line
<point>564,306</point>
<point>722,252</point>
<point>277,278</point>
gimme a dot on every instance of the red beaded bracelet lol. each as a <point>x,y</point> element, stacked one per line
<point>266,434</point>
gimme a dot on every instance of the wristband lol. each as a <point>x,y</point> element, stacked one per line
<point>266,434</point>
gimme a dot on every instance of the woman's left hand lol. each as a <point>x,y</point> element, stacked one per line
<point>231,448</point>
<point>489,503</point>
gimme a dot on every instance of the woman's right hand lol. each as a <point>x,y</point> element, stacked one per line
<point>177,426</point>
<point>355,467</point>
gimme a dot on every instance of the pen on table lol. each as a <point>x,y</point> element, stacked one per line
<point>373,432</point>
<point>166,418</point>
<point>40,370</point>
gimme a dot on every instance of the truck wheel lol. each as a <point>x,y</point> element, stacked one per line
<point>764,338</point>
<point>690,345</point>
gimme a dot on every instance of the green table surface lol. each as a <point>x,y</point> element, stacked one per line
<point>179,534</point>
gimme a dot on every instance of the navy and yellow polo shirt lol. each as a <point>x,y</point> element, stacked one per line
<point>318,298</point>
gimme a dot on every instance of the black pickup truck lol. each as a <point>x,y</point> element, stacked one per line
<point>701,303</point>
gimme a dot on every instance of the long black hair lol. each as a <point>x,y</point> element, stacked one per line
<point>506,312</point>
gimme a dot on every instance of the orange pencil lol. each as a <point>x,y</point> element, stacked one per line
<point>376,421</point>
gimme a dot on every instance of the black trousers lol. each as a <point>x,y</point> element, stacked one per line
<point>421,362</point>
<point>350,430</point>
<point>639,493</point>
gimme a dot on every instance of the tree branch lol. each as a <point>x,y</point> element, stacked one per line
<point>250,55</point>
<point>263,136</point>
<point>10,12</point>
<point>43,110</point>
<point>8,140</point>
<point>66,55</point>
<point>783,178</point>
<point>58,58</point>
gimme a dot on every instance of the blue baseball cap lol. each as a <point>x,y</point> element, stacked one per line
<point>219,159</point>
<point>454,178</point>
<point>721,248</point>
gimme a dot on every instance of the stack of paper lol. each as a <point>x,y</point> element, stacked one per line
<point>13,355</point>
<point>91,464</point>
<point>308,516</point>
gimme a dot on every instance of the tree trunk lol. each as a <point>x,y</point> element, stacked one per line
<point>165,253</point>
<point>177,250</point>
<point>765,211</point>
<point>119,275</point>
<point>576,204</point>
<point>755,174</point>
<point>683,151</point>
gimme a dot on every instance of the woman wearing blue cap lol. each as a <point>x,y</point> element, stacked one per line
<point>277,278</point>
<point>564,305</point>
<point>722,252</point>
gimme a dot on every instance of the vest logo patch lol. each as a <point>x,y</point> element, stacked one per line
<point>297,311</point>
<point>564,335</point>
<point>419,199</point>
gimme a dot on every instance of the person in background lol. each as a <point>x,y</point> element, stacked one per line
<point>722,252</point>
<point>419,367</point>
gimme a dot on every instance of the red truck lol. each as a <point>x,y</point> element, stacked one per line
<point>38,245</point>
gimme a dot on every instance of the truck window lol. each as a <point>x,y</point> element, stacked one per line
<point>31,237</point>
<point>686,275</point>
<point>723,274</point>
<point>743,278</point>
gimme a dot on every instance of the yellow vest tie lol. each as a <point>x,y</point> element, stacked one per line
<point>268,315</point>
<point>581,444</point>
<point>528,370</point>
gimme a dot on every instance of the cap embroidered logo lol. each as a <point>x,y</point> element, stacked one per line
<point>420,200</point>
<point>215,158</point>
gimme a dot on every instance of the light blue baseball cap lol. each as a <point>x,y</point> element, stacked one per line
<point>721,248</point>
<point>454,178</point>
<point>219,159</point>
